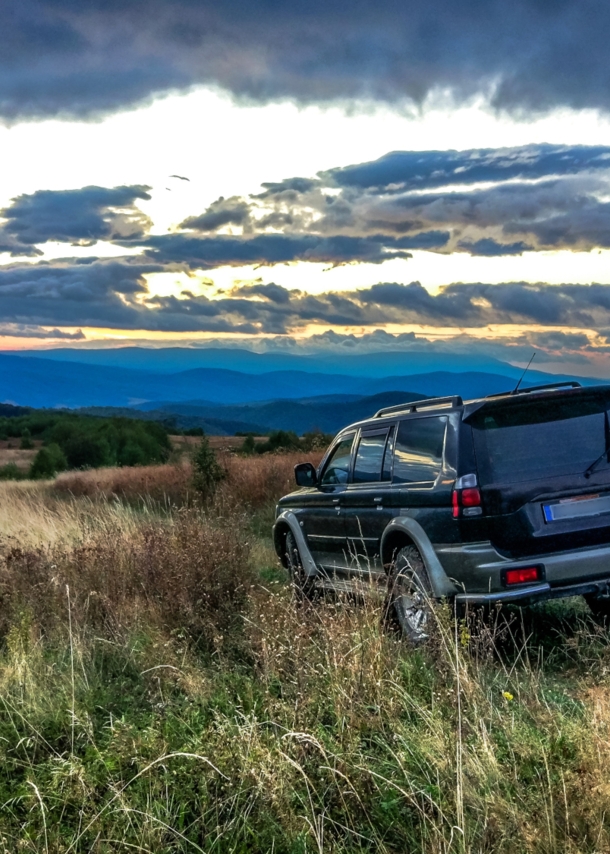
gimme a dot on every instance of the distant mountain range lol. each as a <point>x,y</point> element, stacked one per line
<point>268,391</point>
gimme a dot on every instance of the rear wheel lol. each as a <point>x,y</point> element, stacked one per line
<point>409,598</point>
<point>303,585</point>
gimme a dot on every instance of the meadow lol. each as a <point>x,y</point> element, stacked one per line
<point>162,691</point>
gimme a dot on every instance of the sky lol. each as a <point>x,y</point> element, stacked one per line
<point>330,175</point>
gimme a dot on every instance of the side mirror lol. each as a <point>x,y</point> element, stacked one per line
<point>305,475</point>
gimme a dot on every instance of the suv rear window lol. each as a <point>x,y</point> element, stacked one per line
<point>537,440</point>
<point>418,456</point>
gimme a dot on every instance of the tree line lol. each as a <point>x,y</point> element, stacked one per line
<point>71,441</point>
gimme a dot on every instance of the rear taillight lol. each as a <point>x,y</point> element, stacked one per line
<point>466,498</point>
<point>522,575</point>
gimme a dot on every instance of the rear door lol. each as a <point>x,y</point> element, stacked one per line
<point>367,500</point>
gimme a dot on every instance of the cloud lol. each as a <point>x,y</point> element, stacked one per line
<point>269,249</point>
<point>76,216</point>
<point>21,330</point>
<point>222,212</point>
<point>114,294</point>
<point>482,201</point>
<point>65,57</point>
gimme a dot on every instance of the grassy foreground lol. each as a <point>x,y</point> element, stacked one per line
<point>161,691</point>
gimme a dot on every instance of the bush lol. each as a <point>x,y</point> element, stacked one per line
<point>26,440</point>
<point>11,472</point>
<point>190,575</point>
<point>48,461</point>
<point>248,445</point>
<point>207,471</point>
<point>280,440</point>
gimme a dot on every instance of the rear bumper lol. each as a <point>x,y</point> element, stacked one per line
<point>536,593</point>
<point>478,570</point>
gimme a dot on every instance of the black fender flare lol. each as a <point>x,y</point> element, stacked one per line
<point>406,529</point>
<point>287,521</point>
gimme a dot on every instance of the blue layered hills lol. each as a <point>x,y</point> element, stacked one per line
<point>270,390</point>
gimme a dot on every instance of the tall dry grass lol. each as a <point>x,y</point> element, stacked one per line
<point>181,572</point>
<point>251,482</point>
<point>161,692</point>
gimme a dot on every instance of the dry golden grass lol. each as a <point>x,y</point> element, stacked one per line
<point>162,690</point>
<point>218,443</point>
<point>164,483</point>
<point>15,456</point>
<point>251,481</point>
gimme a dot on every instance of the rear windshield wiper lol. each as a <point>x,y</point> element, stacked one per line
<point>589,471</point>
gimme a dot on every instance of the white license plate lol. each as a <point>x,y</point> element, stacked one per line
<point>573,508</point>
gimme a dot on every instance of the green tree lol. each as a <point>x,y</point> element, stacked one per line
<point>26,440</point>
<point>248,445</point>
<point>48,461</point>
<point>207,471</point>
<point>84,450</point>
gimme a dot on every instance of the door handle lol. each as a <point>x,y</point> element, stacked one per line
<point>336,500</point>
<point>378,500</point>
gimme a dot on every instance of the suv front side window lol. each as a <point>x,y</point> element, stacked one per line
<point>418,456</point>
<point>337,467</point>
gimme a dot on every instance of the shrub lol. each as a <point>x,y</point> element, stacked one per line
<point>11,472</point>
<point>280,440</point>
<point>48,461</point>
<point>87,451</point>
<point>189,574</point>
<point>207,471</point>
<point>26,440</point>
<point>248,445</point>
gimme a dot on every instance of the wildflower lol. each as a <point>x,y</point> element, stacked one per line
<point>507,696</point>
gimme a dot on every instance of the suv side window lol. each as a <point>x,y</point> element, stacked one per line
<point>369,457</point>
<point>336,469</point>
<point>418,455</point>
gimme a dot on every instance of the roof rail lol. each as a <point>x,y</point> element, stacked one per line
<point>417,405</point>
<point>546,387</point>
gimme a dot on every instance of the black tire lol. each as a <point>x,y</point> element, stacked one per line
<point>302,584</point>
<point>600,609</point>
<point>409,599</point>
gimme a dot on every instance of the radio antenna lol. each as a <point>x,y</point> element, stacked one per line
<point>527,367</point>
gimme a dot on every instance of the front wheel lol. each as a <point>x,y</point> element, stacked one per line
<point>302,584</point>
<point>409,598</point>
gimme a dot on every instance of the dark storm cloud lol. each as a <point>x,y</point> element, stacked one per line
<point>115,294</point>
<point>63,56</point>
<point>233,211</point>
<point>482,201</point>
<point>422,170</point>
<point>490,248</point>
<point>269,249</point>
<point>75,216</point>
<point>22,330</point>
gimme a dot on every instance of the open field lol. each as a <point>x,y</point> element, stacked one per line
<point>11,453</point>
<point>161,691</point>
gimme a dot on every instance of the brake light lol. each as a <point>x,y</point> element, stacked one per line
<point>522,575</point>
<point>466,497</point>
<point>471,497</point>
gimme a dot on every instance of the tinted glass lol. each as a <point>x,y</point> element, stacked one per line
<point>530,442</point>
<point>369,458</point>
<point>418,456</point>
<point>337,467</point>
<point>386,474</point>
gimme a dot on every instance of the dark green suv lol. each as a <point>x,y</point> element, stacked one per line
<point>502,499</point>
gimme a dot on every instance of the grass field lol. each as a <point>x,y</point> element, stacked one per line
<point>161,691</point>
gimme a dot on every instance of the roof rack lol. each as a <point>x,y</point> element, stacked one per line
<point>546,387</point>
<point>417,405</point>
